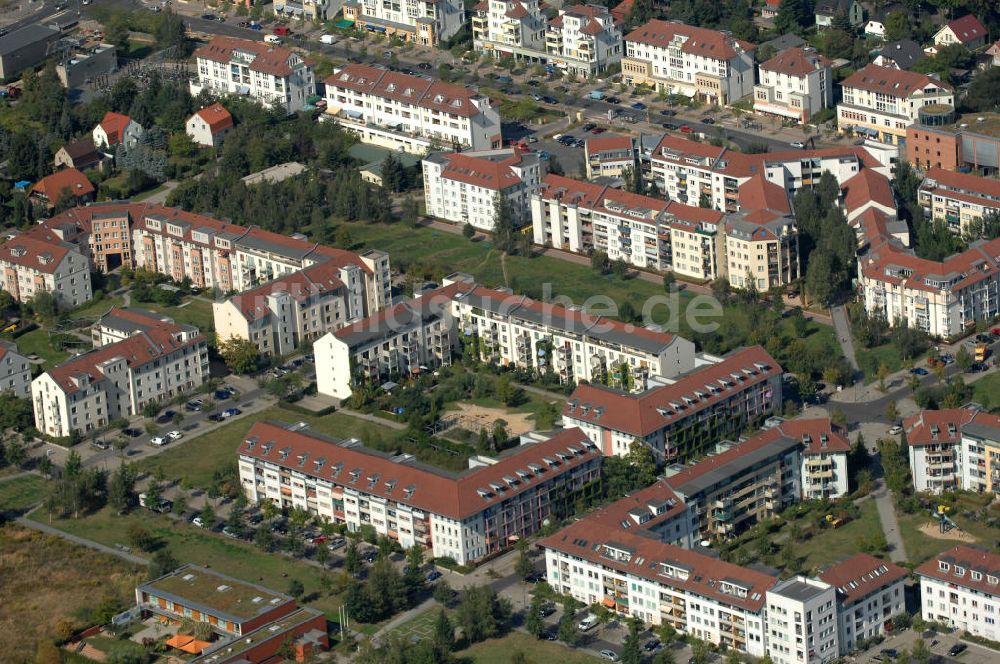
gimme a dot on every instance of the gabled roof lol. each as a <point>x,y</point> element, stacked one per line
<point>434,95</point>
<point>796,62</point>
<point>759,193</point>
<point>300,285</point>
<point>861,575</point>
<point>454,496</point>
<point>695,41</point>
<point>867,187</point>
<point>936,427</point>
<point>266,58</point>
<point>985,191</point>
<point>114,125</point>
<point>890,81</point>
<point>69,179</point>
<point>968,559</point>
<point>495,174</point>
<point>216,117</point>
<point>905,52</point>
<point>82,152</point>
<point>613,143</point>
<point>967,29</point>
<point>37,249</point>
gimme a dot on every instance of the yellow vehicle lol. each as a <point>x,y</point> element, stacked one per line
<point>981,351</point>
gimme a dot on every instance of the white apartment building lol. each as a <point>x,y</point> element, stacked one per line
<point>954,449</point>
<point>15,371</point>
<point>427,22</point>
<point>980,461</point>
<point>961,588</point>
<point>272,75</point>
<point>882,102</point>
<point>610,156</point>
<point>802,622</point>
<point>90,390</point>
<point>466,187</point>
<point>410,113</point>
<point>710,66</point>
<point>403,340</point>
<point>941,298</point>
<point>796,83</point>
<point>39,261</point>
<point>514,330</point>
<point>580,39</point>
<point>467,516</point>
<point>736,391</point>
<point>870,592</point>
<point>958,199</point>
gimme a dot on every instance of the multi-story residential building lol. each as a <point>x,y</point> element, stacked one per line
<point>961,588</point>
<point>710,66</point>
<point>272,75</point>
<point>953,449</point>
<point>583,40</point>
<point>870,592</point>
<point>119,323</point>
<point>659,583</point>
<point>580,39</point>
<point>281,315</point>
<point>467,187</point>
<point>466,516</point>
<point>802,622</point>
<point>312,10</point>
<point>211,253</point>
<point>761,249</point>
<point>40,260</point>
<point>514,330</point>
<point>941,298</point>
<point>693,245</point>
<point>402,340</point>
<point>410,113</point>
<point>609,156</point>
<point>958,199</point>
<point>251,624</point>
<point>796,83</point>
<point>744,483</point>
<point>15,371</point>
<point>685,418</point>
<point>967,31</point>
<point>87,392</point>
<point>427,22</point>
<point>883,102</point>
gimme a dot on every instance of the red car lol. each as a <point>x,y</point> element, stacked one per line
<point>687,130</point>
<point>598,130</point>
<point>282,30</point>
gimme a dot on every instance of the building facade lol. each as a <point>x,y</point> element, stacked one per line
<point>802,622</point>
<point>272,75</point>
<point>796,84</point>
<point>961,588</point>
<point>954,449</point>
<point>208,127</point>
<point>870,593</point>
<point>467,187</point>
<point>468,516</point>
<point>426,22</point>
<point>881,103</point>
<point>410,113</point>
<point>710,66</point>
<point>39,261</point>
<point>116,129</point>
<point>15,371</point>
<point>958,199</point>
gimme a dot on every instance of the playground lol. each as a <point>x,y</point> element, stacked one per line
<point>473,417</point>
<point>954,534</point>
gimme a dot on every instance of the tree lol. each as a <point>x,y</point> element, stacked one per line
<point>631,652</point>
<point>523,567</point>
<point>986,227</point>
<point>153,495</point>
<point>632,177</point>
<point>468,231</point>
<point>567,631</point>
<point>410,211</point>
<point>162,562</point>
<point>120,489</point>
<point>444,635</point>
<point>920,653</point>
<point>140,538</point>
<point>352,558</point>
<point>413,575</point>
<point>600,262</point>
<point>504,228</point>
<point>818,282</point>
<point>443,593</point>
<point>984,91</point>
<point>793,15</point>
<point>882,374</point>
<point>963,358</point>
<point>482,614</point>
<point>533,620</point>
<point>207,516</point>
<point>240,355</point>
<point>897,26</point>
<point>295,588</point>
<point>640,458</point>
<point>44,305</point>
<point>699,652</point>
<point>668,281</point>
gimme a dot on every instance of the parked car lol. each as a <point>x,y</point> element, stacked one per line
<point>976,367</point>
<point>229,532</point>
<point>546,610</point>
<point>282,30</point>
<point>505,79</point>
<point>896,430</point>
<point>549,635</point>
<point>231,412</point>
<point>589,126</point>
<point>198,522</point>
<point>101,445</point>
<point>670,125</point>
<point>433,576</point>
<point>158,441</point>
<point>534,83</point>
<point>370,556</point>
<point>918,371</point>
<point>609,655</point>
<point>957,649</point>
<point>613,100</point>
<point>708,121</point>
<point>534,577</point>
<point>598,130</point>
<point>194,405</point>
<point>216,417</point>
<point>798,144</point>
<point>588,623</point>
<point>167,416</point>
<point>175,435</point>
<point>652,645</point>
<point>424,65</point>
<point>549,99</point>
<point>891,653</point>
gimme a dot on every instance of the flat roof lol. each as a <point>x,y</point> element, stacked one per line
<point>232,649</point>
<point>218,594</point>
<point>27,35</point>
<point>798,590</point>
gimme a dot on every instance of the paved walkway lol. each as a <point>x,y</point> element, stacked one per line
<point>399,426</point>
<point>405,617</point>
<point>843,329</point>
<point>91,544</point>
<point>886,506</point>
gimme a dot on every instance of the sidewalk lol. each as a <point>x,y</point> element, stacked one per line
<point>49,530</point>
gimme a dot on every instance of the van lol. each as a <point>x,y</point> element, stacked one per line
<point>328,39</point>
<point>588,623</point>
<point>272,39</point>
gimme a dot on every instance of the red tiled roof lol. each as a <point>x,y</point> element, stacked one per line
<point>453,496</point>
<point>867,187</point>
<point>816,428</point>
<point>415,90</point>
<point>919,427</point>
<point>37,249</point>
<point>114,125</point>
<point>268,59</point>
<point>796,61</point>
<point>693,214</point>
<point>53,186</point>
<point>621,11</point>
<point>759,193</point>
<point>891,81</point>
<point>699,41</point>
<point>517,11</point>
<point>968,28</point>
<point>568,190</point>
<point>976,263</point>
<point>638,414</point>
<point>609,144</point>
<point>487,173</point>
<point>989,188</point>
<point>216,117</point>
<point>968,558</point>
<point>861,575</point>
<point>300,285</point>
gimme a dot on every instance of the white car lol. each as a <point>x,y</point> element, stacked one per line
<point>175,435</point>
<point>587,624</point>
<point>198,522</point>
<point>609,655</point>
<point>159,441</point>
<point>798,144</point>
<point>896,430</point>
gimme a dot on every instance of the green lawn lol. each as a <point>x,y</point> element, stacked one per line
<point>421,627</point>
<point>195,545</point>
<point>37,343</point>
<point>870,359</point>
<point>199,457</point>
<point>22,492</point>
<point>920,547</point>
<point>192,312</point>
<point>96,308</point>
<point>833,545</point>
<point>501,651</point>
<point>987,391</point>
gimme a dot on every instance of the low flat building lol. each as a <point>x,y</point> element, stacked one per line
<point>466,516</point>
<point>15,371</point>
<point>870,593</point>
<point>250,623</point>
<point>958,199</point>
<point>968,143</point>
<point>84,65</point>
<point>466,187</point>
<point>961,588</point>
<point>39,261</point>
<point>25,48</point>
<point>731,393</point>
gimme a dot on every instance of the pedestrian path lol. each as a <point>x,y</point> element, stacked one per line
<point>90,544</point>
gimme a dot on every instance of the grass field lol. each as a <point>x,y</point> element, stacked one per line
<point>421,627</point>
<point>988,391</point>
<point>195,545</point>
<point>501,651</point>
<point>97,308</point>
<point>199,457</point>
<point>74,578</point>
<point>870,359</point>
<point>920,547</point>
<point>833,545</point>
<point>192,312</point>
<point>20,493</point>
<point>37,343</point>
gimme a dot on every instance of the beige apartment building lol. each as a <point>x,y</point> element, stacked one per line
<point>39,261</point>
<point>958,199</point>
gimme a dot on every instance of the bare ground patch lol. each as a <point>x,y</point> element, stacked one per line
<point>473,418</point>
<point>933,530</point>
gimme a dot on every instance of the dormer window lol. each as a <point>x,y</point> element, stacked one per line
<point>976,576</point>
<point>943,566</point>
<point>959,571</point>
